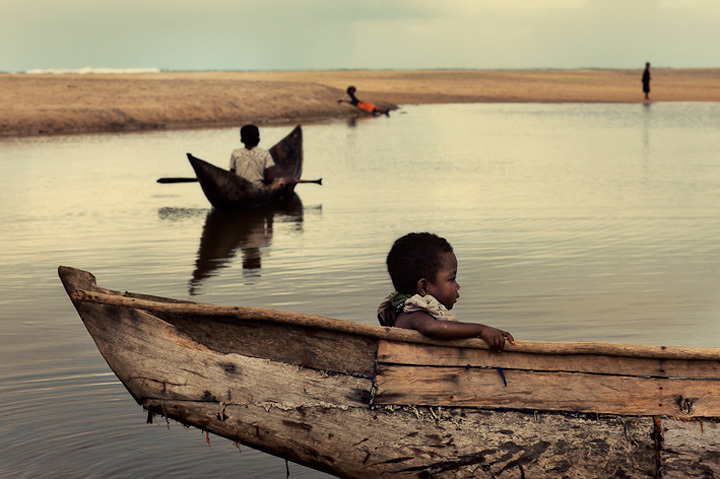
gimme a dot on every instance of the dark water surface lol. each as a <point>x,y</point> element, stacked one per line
<point>570,222</point>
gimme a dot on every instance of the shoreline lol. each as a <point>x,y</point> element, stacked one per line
<point>71,103</point>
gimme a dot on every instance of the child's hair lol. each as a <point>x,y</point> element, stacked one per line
<point>249,134</point>
<point>413,257</point>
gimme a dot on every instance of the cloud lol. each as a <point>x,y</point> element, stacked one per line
<point>517,6</point>
<point>706,5</point>
<point>311,34</point>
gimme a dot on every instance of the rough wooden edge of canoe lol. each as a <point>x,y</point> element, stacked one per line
<point>82,286</point>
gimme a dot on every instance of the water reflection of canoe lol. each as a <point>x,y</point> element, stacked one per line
<point>359,400</point>
<point>226,231</point>
<point>227,190</point>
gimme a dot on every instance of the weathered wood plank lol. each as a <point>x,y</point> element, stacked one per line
<point>393,334</point>
<point>155,360</point>
<point>550,391</point>
<point>393,352</point>
<point>418,442</point>
<point>690,449</point>
<point>305,346</point>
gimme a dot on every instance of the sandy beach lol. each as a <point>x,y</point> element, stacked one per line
<point>78,103</point>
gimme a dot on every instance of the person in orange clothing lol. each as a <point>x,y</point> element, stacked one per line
<point>363,105</point>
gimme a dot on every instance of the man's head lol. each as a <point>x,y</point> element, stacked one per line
<point>250,135</point>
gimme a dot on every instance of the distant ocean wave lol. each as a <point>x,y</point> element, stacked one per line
<point>92,70</point>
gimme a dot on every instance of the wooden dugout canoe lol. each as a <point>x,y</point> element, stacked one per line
<point>225,189</point>
<point>358,400</point>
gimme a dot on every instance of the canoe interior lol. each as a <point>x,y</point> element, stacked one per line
<point>422,374</point>
<point>359,400</point>
<point>227,190</point>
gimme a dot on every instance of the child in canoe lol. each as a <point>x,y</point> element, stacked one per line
<point>253,163</point>
<point>423,269</point>
<point>363,105</point>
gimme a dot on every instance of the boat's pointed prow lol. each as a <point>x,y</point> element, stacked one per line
<point>73,279</point>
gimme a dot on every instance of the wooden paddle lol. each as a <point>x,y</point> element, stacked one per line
<point>177,180</point>
<point>192,180</point>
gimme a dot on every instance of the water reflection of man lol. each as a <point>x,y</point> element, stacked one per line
<point>258,237</point>
<point>250,232</point>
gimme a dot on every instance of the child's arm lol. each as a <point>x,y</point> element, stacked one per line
<point>437,329</point>
<point>268,175</point>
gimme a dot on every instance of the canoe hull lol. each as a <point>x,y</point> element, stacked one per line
<point>424,443</point>
<point>282,384</point>
<point>226,190</point>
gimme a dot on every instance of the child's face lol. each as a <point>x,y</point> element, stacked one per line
<point>445,287</point>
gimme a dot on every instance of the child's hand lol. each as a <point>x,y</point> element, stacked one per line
<point>496,338</point>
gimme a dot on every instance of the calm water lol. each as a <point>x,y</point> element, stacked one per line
<point>570,222</point>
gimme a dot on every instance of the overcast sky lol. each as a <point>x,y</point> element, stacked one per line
<point>375,34</point>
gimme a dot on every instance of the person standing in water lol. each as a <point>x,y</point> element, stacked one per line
<point>646,81</point>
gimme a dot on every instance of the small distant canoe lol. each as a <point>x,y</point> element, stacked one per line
<point>358,400</point>
<point>225,189</point>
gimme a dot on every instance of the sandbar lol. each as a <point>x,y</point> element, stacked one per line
<point>46,104</point>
